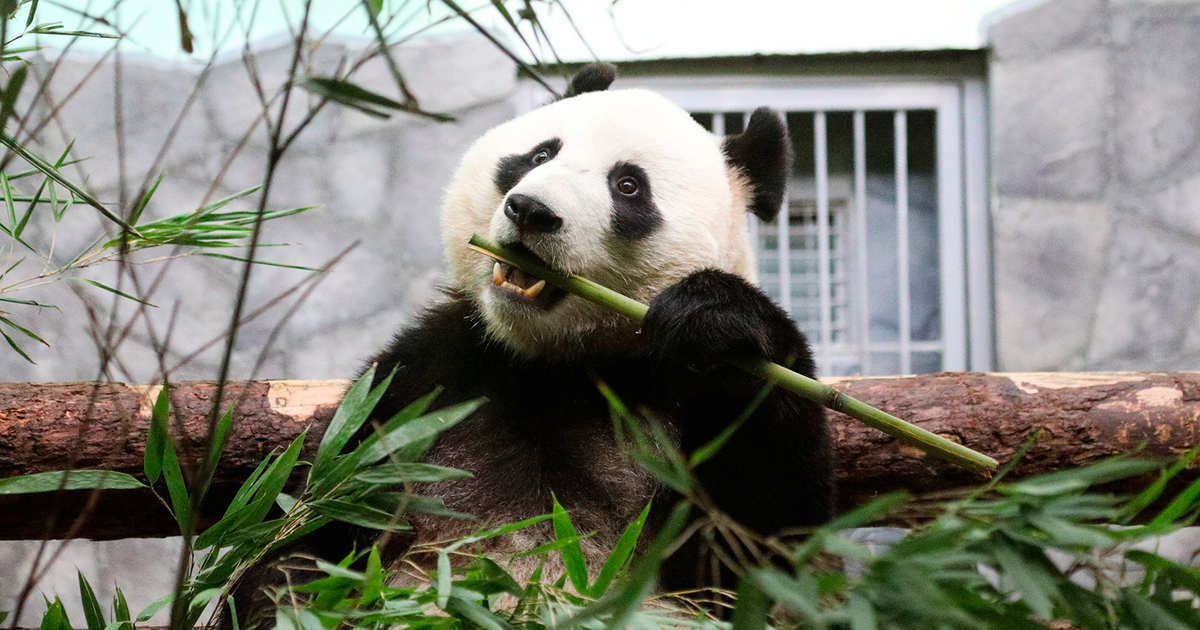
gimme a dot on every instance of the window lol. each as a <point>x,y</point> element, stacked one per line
<point>880,253</point>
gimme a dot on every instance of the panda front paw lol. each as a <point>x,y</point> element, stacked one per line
<point>713,315</point>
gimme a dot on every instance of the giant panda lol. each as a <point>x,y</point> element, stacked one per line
<point>625,188</point>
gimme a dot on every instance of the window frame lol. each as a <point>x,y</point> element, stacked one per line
<point>964,230</point>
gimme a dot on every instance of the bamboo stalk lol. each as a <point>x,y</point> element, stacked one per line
<point>816,391</point>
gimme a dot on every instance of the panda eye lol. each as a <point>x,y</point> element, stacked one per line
<point>628,186</point>
<point>541,157</point>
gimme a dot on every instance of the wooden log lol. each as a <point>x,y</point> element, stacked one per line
<point>1086,417</point>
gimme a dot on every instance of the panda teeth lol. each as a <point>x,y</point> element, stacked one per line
<point>535,290</point>
<point>499,279</point>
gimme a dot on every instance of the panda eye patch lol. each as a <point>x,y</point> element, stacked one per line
<point>627,186</point>
<point>634,214</point>
<point>510,169</point>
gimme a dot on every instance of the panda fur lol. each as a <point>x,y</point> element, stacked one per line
<point>625,188</point>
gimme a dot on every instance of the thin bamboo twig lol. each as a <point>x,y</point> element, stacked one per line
<point>811,389</point>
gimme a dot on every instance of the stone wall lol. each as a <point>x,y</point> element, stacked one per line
<point>377,181</point>
<point>1096,169</point>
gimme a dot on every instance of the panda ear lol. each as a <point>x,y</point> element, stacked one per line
<point>594,77</point>
<point>762,155</point>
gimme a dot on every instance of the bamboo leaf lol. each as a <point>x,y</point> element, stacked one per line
<point>621,603</point>
<point>406,472</point>
<point>1076,479</point>
<point>752,609</point>
<point>9,206</point>
<point>154,607</point>
<point>185,33</point>
<point>42,165</point>
<point>256,261</point>
<point>121,611</point>
<point>409,440</point>
<point>1180,505</point>
<point>140,206</point>
<point>24,331</point>
<point>273,480</point>
<point>112,290</point>
<point>443,579</point>
<point>10,94</point>
<point>351,414</point>
<point>368,102</point>
<point>176,486</point>
<point>56,616</point>
<point>475,613</point>
<point>1152,615</point>
<point>572,554</point>
<point>69,480</point>
<point>91,606</point>
<point>1155,490</point>
<point>620,555</point>
<point>1183,575</point>
<point>286,502</point>
<point>556,545</point>
<point>17,348</point>
<point>358,514</point>
<point>217,442</point>
<point>156,436</point>
<point>1034,585</point>
<point>862,614</point>
<point>28,303</point>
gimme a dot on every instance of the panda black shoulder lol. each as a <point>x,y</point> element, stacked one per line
<point>447,347</point>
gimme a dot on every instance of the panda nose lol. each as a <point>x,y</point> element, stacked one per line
<point>531,215</point>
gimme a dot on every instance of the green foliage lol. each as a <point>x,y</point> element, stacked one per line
<point>45,194</point>
<point>1051,551</point>
<point>196,232</point>
<point>1048,551</point>
<point>69,480</point>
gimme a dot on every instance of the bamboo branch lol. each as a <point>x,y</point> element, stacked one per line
<point>813,390</point>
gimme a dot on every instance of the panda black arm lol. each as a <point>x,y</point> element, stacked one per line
<point>776,470</point>
<point>712,314</point>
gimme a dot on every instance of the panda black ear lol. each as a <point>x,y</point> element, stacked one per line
<point>594,77</point>
<point>762,154</point>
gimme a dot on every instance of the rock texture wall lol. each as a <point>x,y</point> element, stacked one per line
<point>1096,168</point>
<point>376,181</point>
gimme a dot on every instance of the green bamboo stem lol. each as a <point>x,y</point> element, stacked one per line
<point>811,389</point>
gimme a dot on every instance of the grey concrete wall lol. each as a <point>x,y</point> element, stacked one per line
<point>378,182</point>
<point>1096,169</point>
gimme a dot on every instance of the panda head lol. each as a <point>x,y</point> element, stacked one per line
<point>622,187</point>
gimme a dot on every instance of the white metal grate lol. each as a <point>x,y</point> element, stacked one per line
<point>815,305</point>
<point>873,267</point>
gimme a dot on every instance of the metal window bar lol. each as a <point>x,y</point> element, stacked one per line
<point>813,259</point>
<point>904,324</point>
<point>783,253</point>
<point>820,285</point>
<point>823,261</point>
<point>860,236</point>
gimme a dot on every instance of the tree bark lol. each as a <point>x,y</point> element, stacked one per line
<point>1085,417</point>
